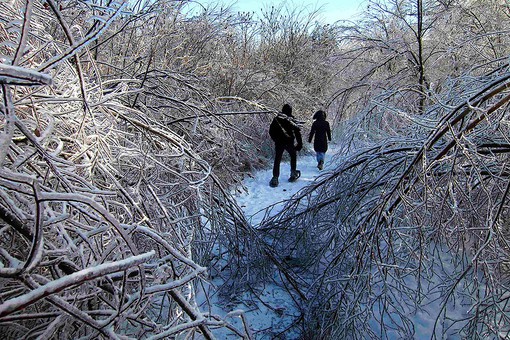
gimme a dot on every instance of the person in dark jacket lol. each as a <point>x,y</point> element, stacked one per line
<point>284,131</point>
<point>322,132</point>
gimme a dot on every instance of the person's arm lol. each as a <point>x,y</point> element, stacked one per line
<point>328,130</point>
<point>312,132</point>
<point>272,130</point>
<point>299,139</point>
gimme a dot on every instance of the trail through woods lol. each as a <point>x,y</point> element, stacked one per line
<point>259,196</point>
<point>269,310</point>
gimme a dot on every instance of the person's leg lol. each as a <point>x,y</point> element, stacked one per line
<point>320,156</point>
<point>294,173</point>
<point>278,153</point>
<point>293,157</point>
<point>320,160</point>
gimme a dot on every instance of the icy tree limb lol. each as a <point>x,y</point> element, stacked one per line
<point>35,255</point>
<point>16,75</point>
<point>10,118</point>
<point>181,327</point>
<point>18,303</point>
<point>71,310</point>
<point>76,47</point>
<point>173,284</point>
<point>71,197</point>
<point>192,313</point>
<point>24,32</point>
<point>79,68</point>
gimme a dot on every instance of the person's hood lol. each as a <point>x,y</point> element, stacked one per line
<point>287,110</point>
<point>320,115</point>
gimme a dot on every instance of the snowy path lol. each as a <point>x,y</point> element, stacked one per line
<point>277,311</point>
<point>271,318</point>
<point>260,195</point>
<point>254,203</point>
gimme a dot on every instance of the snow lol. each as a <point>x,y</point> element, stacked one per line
<point>272,310</point>
<point>259,196</point>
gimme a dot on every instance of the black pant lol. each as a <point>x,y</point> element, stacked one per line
<point>278,158</point>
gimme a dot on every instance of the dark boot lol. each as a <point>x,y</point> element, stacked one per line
<point>294,175</point>
<point>274,182</point>
<point>320,165</point>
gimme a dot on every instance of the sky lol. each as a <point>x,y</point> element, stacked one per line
<point>330,10</point>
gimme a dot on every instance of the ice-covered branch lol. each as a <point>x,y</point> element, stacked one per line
<point>62,283</point>
<point>17,75</point>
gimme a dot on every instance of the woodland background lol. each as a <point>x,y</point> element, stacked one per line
<point>126,127</point>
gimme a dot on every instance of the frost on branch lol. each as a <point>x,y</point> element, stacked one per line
<point>410,233</point>
<point>101,206</point>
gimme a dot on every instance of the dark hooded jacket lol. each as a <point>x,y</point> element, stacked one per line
<point>322,132</point>
<point>284,130</point>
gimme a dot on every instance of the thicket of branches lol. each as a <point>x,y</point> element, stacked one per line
<point>124,129</point>
<point>413,222</point>
<point>417,224</point>
<point>106,210</point>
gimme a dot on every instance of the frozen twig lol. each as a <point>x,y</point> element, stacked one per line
<point>62,283</point>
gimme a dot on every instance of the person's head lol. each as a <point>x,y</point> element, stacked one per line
<point>320,115</point>
<point>287,110</point>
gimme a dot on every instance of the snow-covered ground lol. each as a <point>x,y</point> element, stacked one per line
<point>259,195</point>
<point>277,311</point>
<point>272,311</point>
